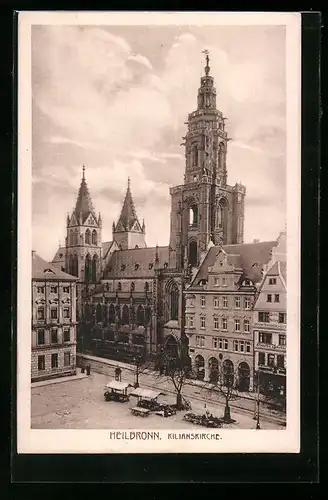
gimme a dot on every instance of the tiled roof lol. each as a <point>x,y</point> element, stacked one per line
<point>42,269</point>
<point>250,257</point>
<point>59,256</point>
<point>105,247</point>
<point>135,262</point>
<point>283,270</point>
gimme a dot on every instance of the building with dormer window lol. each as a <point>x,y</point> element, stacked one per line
<point>270,324</point>
<point>219,310</point>
<point>53,321</point>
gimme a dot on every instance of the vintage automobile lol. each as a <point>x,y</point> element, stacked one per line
<point>166,410</point>
<point>147,399</point>
<point>206,420</point>
<point>117,391</point>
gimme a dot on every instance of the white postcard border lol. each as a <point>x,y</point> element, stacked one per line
<point>99,441</point>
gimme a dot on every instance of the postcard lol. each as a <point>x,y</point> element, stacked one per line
<point>159,183</point>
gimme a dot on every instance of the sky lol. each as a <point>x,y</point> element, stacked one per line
<point>116,99</point>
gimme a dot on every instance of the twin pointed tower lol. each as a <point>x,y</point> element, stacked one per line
<point>205,209</point>
<point>83,251</point>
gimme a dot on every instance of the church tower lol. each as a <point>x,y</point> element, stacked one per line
<point>205,208</point>
<point>83,240</point>
<point>128,232</point>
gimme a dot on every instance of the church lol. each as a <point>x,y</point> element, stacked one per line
<point>131,297</point>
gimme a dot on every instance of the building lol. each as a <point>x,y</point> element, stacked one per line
<point>130,295</point>
<point>53,321</point>
<point>269,324</point>
<point>219,303</point>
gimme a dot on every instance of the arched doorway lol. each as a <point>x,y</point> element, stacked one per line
<point>192,254</point>
<point>228,375</point>
<point>243,377</point>
<point>200,367</point>
<point>213,365</point>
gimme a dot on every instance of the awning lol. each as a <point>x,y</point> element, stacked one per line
<point>119,386</point>
<point>145,393</point>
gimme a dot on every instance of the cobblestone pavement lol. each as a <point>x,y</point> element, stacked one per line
<point>80,404</point>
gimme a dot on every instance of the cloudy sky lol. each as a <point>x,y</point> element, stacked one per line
<point>116,99</point>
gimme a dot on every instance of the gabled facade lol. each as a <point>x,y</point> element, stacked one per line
<point>270,324</point>
<point>219,304</point>
<point>53,321</point>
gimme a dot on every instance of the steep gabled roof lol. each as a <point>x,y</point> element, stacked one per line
<point>128,216</point>
<point>41,269</point>
<point>83,203</point>
<point>249,257</point>
<point>135,262</point>
<point>105,247</point>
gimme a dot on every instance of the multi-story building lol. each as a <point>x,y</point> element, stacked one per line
<point>269,325</point>
<point>53,321</point>
<point>219,304</point>
<point>129,290</point>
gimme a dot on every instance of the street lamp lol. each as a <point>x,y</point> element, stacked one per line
<point>257,417</point>
<point>136,384</point>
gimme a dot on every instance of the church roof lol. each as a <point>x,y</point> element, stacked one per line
<point>105,247</point>
<point>249,257</point>
<point>84,204</point>
<point>41,269</point>
<point>59,256</point>
<point>128,215</point>
<point>135,262</point>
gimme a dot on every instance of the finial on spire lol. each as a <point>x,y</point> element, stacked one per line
<point>207,67</point>
<point>83,172</point>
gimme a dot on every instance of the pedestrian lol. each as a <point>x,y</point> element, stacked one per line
<point>118,373</point>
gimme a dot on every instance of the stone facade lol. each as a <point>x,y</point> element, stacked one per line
<point>53,321</point>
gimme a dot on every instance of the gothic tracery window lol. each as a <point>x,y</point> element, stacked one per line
<point>172,292</point>
<point>87,268</point>
<point>194,155</point>
<point>88,237</point>
<point>94,237</point>
<point>94,267</point>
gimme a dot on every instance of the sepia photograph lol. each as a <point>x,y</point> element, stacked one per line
<point>158,232</point>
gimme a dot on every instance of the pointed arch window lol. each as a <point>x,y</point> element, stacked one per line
<point>71,237</point>
<point>70,264</point>
<point>125,315</point>
<point>87,268</point>
<point>75,265</point>
<point>194,155</point>
<point>94,237</point>
<point>76,237</point>
<point>111,314</point>
<point>87,237</point>
<point>172,293</point>
<point>221,156</point>
<point>140,316</point>
<point>192,253</point>
<point>94,267</point>
<point>193,215</point>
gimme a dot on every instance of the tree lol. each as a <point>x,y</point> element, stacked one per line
<point>224,383</point>
<point>176,368</point>
<point>140,367</point>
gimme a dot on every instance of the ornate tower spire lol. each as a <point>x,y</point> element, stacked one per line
<point>83,207</point>
<point>128,233</point>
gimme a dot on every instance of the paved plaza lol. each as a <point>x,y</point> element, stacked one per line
<point>79,404</point>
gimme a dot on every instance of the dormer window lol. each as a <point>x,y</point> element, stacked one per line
<point>60,255</point>
<point>165,265</point>
<point>49,271</point>
<point>272,281</point>
<point>151,265</point>
<point>136,267</point>
<point>123,267</point>
<point>119,286</point>
<point>247,283</point>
